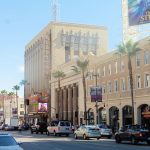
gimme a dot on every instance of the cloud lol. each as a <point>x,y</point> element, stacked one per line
<point>21,68</point>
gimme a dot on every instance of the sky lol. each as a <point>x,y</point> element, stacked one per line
<point>22,20</point>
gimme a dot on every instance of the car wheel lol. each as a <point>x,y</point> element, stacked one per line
<point>54,133</point>
<point>148,142</point>
<point>47,133</point>
<point>75,136</point>
<point>84,137</point>
<point>109,137</point>
<point>117,138</point>
<point>133,141</point>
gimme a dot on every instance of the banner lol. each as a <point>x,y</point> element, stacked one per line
<point>96,94</point>
<point>138,12</point>
<point>42,107</point>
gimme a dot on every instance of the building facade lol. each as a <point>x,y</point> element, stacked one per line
<point>57,44</point>
<point>57,47</point>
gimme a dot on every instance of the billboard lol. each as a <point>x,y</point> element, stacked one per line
<point>96,94</point>
<point>138,12</point>
<point>42,107</point>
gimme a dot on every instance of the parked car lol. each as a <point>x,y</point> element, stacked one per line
<point>8,142</point>
<point>2,127</point>
<point>133,133</point>
<point>87,132</point>
<point>61,127</point>
<point>39,127</point>
<point>9,128</point>
<point>105,130</point>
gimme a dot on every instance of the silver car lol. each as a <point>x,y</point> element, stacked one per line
<point>7,142</point>
<point>87,132</point>
<point>105,130</point>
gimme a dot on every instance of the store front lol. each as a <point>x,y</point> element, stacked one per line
<point>102,115</point>
<point>90,117</point>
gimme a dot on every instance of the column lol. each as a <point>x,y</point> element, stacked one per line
<point>57,102</point>
<point>65,104</point>
<point>70,104</point>
<point>75,105</point>
<point>61,104</point>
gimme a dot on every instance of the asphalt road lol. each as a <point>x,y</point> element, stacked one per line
<point>44,142</point>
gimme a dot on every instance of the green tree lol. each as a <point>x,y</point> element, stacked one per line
<point>3,92</point>
<point>16,88</point>
<point>129,48</point>
<point>58,75</point>
<point>11,95</point>
<point>81,67</point>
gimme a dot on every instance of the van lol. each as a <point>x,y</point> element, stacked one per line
<point>59,128</point>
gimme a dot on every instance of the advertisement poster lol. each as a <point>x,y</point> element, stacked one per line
<point>138,12</point>
<point>96,94</point>
<point>42,107</point>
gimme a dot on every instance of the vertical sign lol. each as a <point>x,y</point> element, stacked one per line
<point>96,94</point>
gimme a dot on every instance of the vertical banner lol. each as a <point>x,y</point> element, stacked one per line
<point>96,94</point>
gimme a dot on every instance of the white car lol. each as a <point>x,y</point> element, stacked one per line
<point>7,142</point>
<point>105,130</point>
<point>59,128</point>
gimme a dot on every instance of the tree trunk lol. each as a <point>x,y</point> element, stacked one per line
<point>131,86</point>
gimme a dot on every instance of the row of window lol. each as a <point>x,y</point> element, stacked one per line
<point>122,65</point>
<point>115,84</point>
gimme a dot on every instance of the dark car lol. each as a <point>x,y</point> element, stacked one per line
<point>133,133</point>
<point>39,127</point>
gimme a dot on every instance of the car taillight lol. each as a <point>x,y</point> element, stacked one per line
<point>141,134</point>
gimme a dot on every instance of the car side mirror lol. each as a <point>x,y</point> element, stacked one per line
<point>19,143</point>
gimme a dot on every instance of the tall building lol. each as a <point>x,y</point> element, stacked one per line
<point>57,44</point>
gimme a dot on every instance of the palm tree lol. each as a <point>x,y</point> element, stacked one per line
<point>129,48</point>
<point>16,88</point>
<point>23,83</point>
<point>81,67</point>
<point>3,92</point>
<point>58,75</point>
<point>11,94</point>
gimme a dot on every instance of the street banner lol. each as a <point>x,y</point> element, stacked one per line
<point>42,107</point>
<point>14,111</point>
<point>138,12</point>
<point>96,94</point>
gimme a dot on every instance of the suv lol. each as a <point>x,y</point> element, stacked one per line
<point>39,127</point>
<point>133,133</point>
<point>59,128</point>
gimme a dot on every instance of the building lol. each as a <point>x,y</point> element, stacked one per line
<point>107,70</point>
<point>57,44</point>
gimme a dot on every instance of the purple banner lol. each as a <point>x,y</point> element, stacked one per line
<point>96,94</point>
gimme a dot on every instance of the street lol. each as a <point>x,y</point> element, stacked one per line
<point>44,142</point>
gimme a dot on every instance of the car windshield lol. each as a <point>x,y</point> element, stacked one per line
<point>7,141</point>
<point>104,126</point>
<point>65,123</point>
<point>92,129</point>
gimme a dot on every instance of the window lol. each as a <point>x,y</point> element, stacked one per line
<point>123,84</point>
<point>104,88</point>
<point>138,82</point>
<point>109,87</point>
<point>21,105</point>
<point>146,57</point>
<point>122,66</point>
<point>147,80</point>
<point>104,71</point>
<point>21,112</point>
<point>109,69</point>
<point>129,87</point>
<point>116,67</point>
<point>138,59</point>
<point>116,86</point>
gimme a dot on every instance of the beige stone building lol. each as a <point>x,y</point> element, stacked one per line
<point>56,45</point>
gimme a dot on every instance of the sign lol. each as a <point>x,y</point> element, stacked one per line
<point>138,12</point>
<point>96,94</point>
<point>42,107</point>
<point>146,114</point>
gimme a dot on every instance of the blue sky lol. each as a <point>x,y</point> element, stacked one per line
<point>21,20</point>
